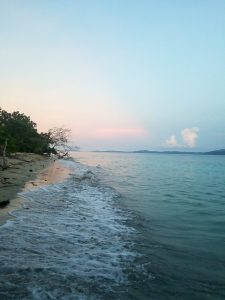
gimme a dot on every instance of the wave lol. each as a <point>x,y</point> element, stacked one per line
<point>70,241</point>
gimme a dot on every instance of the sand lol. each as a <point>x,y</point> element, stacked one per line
<point>27,171</point>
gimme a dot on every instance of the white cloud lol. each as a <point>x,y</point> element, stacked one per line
<point>190,136</point>
<point>172,142</point>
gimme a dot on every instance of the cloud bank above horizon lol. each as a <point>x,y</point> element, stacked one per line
<point>189,139</point>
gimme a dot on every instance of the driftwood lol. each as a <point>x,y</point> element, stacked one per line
<point>4,159</point>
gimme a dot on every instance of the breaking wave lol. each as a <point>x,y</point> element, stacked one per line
<point>69,241</point>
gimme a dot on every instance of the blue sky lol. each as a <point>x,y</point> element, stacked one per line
<point>121,74</point>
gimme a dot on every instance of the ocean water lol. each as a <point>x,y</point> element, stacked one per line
<point>122,226</point>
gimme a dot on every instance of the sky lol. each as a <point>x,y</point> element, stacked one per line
<point>121,74</point>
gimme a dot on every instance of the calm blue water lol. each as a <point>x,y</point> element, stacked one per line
<point>123,226</point>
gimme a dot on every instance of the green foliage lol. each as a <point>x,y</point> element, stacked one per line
<point>22,134</point>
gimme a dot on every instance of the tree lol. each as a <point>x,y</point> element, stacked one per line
<point>59,141</point>
<point>19,130</point>
<point>19,134</point>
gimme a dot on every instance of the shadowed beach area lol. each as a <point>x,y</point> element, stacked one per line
<point>26,171</point>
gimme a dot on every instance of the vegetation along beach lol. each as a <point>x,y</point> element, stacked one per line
<point>112,150</point>
<point>18,133</point>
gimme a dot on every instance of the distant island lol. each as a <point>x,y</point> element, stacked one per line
<point>214,152</point>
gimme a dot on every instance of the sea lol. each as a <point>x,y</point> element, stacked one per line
<point>121,226</point>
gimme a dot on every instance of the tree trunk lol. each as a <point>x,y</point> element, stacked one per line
<point>4,159</point>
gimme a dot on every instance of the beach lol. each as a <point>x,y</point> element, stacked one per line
<point>26,171</point>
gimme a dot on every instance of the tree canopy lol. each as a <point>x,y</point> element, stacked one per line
<point>22,135</point>
<point>58,140</point>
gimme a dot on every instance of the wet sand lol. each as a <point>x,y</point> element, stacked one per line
<point>26,171</point>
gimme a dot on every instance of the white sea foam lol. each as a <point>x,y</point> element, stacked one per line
<point>71,242</point>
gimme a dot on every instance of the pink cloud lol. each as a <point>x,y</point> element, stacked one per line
<point>190,136</point>
<point>108,133</point>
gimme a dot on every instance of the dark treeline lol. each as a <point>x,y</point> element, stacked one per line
<point>21,135</point>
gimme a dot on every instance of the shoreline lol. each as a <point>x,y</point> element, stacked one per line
<point>27,172</point>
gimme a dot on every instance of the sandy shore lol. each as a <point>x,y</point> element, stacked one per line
<point>27,171</point>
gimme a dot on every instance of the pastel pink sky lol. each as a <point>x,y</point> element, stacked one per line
<point>120,74</point>
<point>94,119</point>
